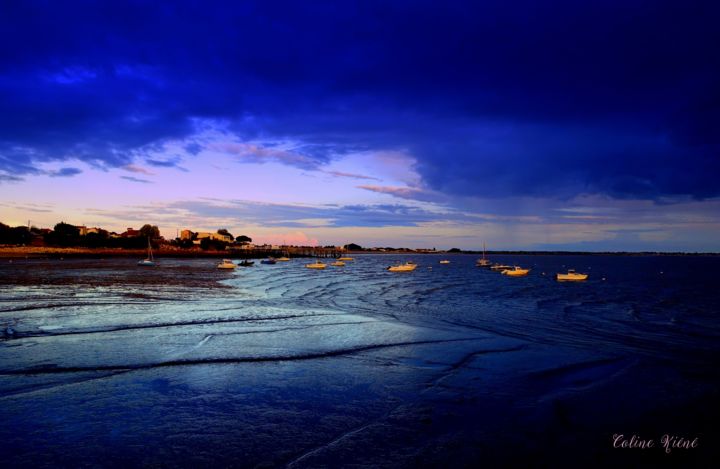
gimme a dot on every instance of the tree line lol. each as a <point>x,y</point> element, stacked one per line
<point>67,235</point>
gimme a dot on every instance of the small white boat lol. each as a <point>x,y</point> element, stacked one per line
<point>337,264</point>
<point>226,264</point>
<point>406,267</point>
<point>150,261</point>
<point>444,261</point>
<point>316,265</point>
<point>345,258</point>
<point>571,276</point>
<point>500,267</point>
<point>516,272</point>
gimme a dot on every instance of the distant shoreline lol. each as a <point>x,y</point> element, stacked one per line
<point>54,252</point>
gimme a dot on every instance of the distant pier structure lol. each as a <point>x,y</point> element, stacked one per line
<point>289,251</point>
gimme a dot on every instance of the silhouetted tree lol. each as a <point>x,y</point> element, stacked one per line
<point>242,239</point>
<point>225,232</point>
<point>150,231</point>
<point>16,235</point>
<point>97,240</point>
<point>64,234</point>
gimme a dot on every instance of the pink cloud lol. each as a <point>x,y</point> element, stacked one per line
<point>350,175</point>
<point>410,193</point>
<point>137,169</point>
<point>252,153</point>
<point>297,238</point>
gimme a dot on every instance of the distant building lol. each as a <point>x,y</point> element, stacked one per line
<point>186,234</point>
<point>130,233</point>
<point>216,236</point>
<point>84,230</point>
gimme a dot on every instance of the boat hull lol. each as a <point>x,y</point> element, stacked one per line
<point>516,273</point>
<point>571,277</point>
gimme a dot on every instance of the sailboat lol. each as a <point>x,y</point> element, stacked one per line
<point>285,257</point>
<point>483,262</point>
<point>150,261</point>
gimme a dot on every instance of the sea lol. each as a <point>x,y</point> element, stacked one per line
<point>107,364</point>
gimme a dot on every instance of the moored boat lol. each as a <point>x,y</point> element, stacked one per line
<point>516,272</point>
<point>226,264</point>
<point>571,276</point>
<point>269,260</point>
<point>343,258</point>
<point>150,261</point>
<point>246,263</point>
<point>500,267</point>
<point>316,265</point>
<point>406,267</point>
<point>283,259</point>
<point>483,262</point>
<point>337,264</point>
<point>444,261</point>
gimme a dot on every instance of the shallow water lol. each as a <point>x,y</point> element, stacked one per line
<point>105,363</point>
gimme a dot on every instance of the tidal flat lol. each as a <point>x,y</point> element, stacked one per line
<point>107,364</point>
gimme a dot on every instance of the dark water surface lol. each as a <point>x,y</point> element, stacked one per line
<point>103,363</point>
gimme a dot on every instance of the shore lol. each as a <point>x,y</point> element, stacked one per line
<point>10,252</point>
<point>81,252</point>
<point>283,366</point>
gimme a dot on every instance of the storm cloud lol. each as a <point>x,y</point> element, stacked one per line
<point>492,99</point>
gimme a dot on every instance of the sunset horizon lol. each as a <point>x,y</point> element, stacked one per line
<point>162,120</point>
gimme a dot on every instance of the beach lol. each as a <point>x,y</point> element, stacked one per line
<point>103,363</point>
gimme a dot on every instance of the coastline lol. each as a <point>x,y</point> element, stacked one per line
<point>15,252</point>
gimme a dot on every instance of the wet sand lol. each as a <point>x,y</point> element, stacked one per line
<point>275,366</point>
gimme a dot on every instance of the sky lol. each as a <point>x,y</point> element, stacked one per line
<point>555,125</point>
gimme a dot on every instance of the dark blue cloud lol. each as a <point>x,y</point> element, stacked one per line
<point>546,99</point>
<point>65,172</point>
<point>134,179</point>
<point>168,163</point>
